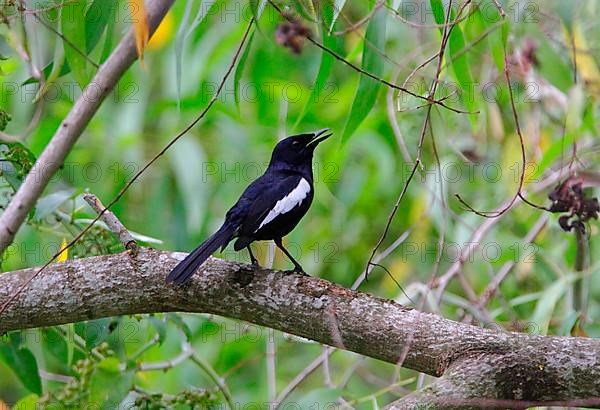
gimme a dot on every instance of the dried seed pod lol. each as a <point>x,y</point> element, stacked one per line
<point>291,34</point>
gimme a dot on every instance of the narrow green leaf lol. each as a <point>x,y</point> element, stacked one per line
<point>96,19</point>
<point>553,67</point>
<point>47,70</point>
<point>372,62</point>
<point>51,202</point>
<point>458,59</point>
<point>108,40</point>
<point>161,328</point>
<point>187,159</point>
<point>23,363</point>
<point>326,64</point>
<point>73,28</point>
<point>547,303</point>
<point>96,332</point>
<point>492,20</point>
<point>239,70</point>
<point>257,7</point>
<point>177,320</point>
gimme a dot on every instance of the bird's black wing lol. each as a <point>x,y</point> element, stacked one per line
<point>274,200</point>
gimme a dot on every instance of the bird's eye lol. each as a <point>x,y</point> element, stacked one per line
<point>295,143</point>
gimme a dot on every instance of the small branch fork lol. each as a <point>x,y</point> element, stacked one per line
<point>112,222</point>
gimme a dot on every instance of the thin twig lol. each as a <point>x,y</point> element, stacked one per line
<point>113,223</point>
<point>495,214</point>
<point>493,286</point>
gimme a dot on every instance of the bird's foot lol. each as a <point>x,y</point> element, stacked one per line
<point>297,270</point>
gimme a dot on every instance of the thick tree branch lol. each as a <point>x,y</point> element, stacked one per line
<point>488,363</point>
<point>72,126</point>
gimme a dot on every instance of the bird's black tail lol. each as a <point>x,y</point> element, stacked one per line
<point>187,267</point>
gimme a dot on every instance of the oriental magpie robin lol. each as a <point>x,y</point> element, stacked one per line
<point>268,209</point>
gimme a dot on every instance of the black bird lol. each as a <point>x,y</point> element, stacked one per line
<point>268,209</point>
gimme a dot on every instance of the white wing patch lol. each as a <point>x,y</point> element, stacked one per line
<point>289,202</point>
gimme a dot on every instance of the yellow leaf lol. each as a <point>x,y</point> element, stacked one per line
<point>64,252</point>
<point>140,25</point>
<point>163,33</point>
<point>586,65</point>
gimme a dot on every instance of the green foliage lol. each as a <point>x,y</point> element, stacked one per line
<point>73,28</point>
<point>4,119</point>
<point>372,62</point>
<point>22,362</point>
<point>141,361</point>
<point>15,161</point>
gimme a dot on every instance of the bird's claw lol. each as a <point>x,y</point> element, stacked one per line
<point>297,270</point>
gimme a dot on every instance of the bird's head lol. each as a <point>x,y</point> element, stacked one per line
<point>298,150</point>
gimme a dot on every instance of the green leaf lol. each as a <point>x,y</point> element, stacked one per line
<point>28,402</point>
<point>47,70</point>
<point>547,303</point>
<point>16,163</point>
<point>160,326</point>
<point>176,319</point>
<point>575,110</point>
<point>257,7</point>
<point>187,160</point>
<point>73,28</point>
<point>108,384</point>
<point>96,19</point>
<point>372,62</point>
<point>497,37</point>
<point>326,65</point>
<point>23,363</point>
<point>239,70</point>
<point>54,343</point>
<point>97,331</point>
<point>108,40</point>
<point>458,58</point>
<point>50,203</point>
<point>553,67</point>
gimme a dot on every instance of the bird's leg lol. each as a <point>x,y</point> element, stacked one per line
<point>297,267</point>
<point>252,258</point>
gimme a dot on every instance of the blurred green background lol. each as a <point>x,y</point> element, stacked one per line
<point>359,174</point>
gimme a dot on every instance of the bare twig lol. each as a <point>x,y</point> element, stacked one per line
<point>113,223</point>
<point>508,266</point>
<point>495,214</point>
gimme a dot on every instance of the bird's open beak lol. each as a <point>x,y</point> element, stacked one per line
<point>319,136</point>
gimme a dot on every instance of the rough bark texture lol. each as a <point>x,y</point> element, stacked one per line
<point>474,362</point>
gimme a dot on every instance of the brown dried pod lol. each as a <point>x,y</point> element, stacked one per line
<point>291,34</point>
